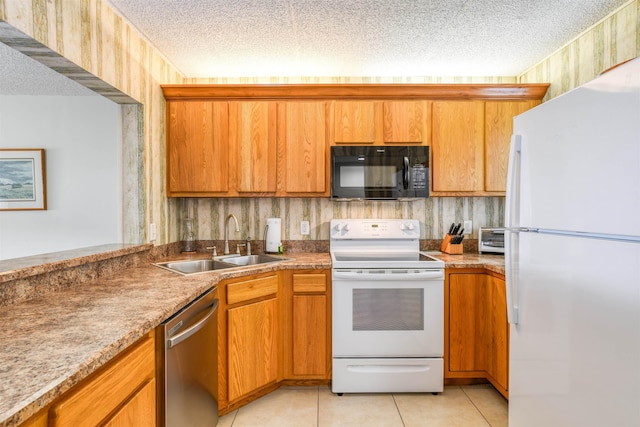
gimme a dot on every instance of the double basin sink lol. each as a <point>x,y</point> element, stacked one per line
<point>217,263</point>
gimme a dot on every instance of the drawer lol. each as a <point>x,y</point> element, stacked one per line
<point>251,289</point>
<point>309,283</point>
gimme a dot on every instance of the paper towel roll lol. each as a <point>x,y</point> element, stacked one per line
<point>273,235</point>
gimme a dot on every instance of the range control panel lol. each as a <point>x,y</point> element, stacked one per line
<point>375,229</point>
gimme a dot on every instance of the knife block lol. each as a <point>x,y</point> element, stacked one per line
<point>453,249</point>
<point>449,248</point>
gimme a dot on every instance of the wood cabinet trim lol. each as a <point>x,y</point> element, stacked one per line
<point>357,91</point>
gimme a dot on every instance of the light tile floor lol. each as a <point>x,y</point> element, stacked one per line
<point>464,406</point>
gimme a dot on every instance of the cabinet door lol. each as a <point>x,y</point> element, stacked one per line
<point>197,140</point>
<point>457,145</point>
<point>498,129</point>
<point>310,335</point>
<point>252,131</point>
<point>467,322</point>
<point>498,340</point>
<point>252,347</point>
<point>139,411</point>
<point>109,390</point>
<point>304,140</point>
<point>354,122</point>
<point>405,122</point>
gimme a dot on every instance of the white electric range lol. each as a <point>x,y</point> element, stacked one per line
<point>388,308</point>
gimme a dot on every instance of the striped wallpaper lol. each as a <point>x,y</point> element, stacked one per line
<point>615,39</point>
<point>90,43</point>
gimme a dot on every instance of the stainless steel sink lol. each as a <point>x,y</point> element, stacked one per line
<point>194,266</point>
<point>251,259</point>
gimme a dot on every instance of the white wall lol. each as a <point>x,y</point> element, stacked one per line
<point>81,136</point>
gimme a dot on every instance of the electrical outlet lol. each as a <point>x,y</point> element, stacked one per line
<point>468,226</point>
<point>152,232</point>
<point>304,228</point>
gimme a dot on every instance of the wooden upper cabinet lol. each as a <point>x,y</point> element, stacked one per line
<point>498,129</point>
<point>197,155</point>
<point>272,140</point>
<point>252,133</point>
<point>405,122</point>
<point>302,136</point>
<point>457,146</point>
<point>354,122</point>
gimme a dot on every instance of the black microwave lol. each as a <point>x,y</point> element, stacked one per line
<point>379,172</point>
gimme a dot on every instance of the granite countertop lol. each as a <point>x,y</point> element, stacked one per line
<point>493,263</point>
<point>52,342</point>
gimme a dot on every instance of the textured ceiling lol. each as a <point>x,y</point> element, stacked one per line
<point>401,38</point>
<point>21,75</point>
<point>257,38</point>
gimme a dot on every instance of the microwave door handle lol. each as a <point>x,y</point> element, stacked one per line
<point>405,175</point>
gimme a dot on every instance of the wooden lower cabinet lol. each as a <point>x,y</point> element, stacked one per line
<point>274,329</point>
<point>476,327</point>
<point>248,338</point>
<point>134,412</point>
<point>498,340</point>
<point>307,346</point>
<point>121,393</point>
<point>252,344</point>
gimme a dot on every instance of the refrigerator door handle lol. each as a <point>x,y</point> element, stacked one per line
<point>512,228</point>
<point>512,209</point>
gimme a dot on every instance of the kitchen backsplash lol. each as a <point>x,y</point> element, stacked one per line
<point>435,215</point>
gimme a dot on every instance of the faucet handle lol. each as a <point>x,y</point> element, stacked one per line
<point>248,245</point>
<point>238,247</point>
<point>215,251</point>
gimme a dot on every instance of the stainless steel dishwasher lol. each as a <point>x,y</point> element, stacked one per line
<point>191,364</point>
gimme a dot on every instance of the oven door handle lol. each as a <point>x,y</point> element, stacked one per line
<point>380,275</point>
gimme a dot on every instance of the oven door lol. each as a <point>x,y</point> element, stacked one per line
<point>388,313</point>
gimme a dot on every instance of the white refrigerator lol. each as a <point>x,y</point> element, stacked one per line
<point>573,257</point>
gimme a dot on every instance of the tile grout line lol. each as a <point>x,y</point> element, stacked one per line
<point>475,406</point>
<point>318,406</point>
<point>395,402</point>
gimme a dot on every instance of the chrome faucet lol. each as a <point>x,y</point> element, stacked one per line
<point>226,232</point>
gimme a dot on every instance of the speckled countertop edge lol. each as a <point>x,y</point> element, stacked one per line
<point>494,263</point>
<point>53,342</point>
<point>19,268</point>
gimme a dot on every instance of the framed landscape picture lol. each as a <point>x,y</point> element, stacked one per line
<point>22,179</point>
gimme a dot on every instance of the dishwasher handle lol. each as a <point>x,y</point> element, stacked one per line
<point>174,341</point>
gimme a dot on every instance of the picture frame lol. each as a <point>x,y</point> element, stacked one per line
<point>22,179</point>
